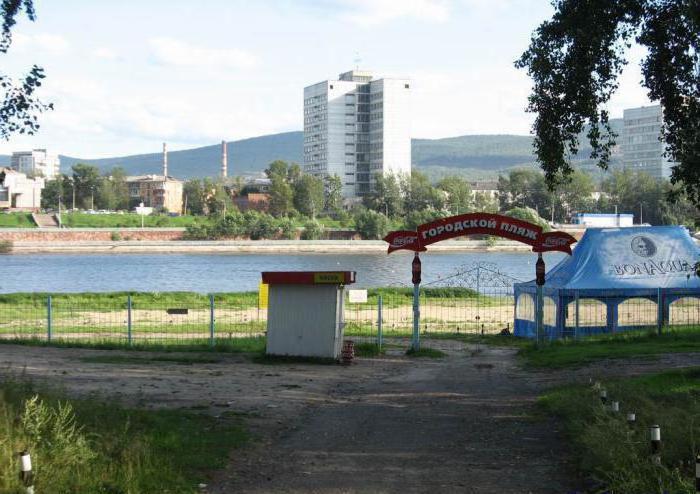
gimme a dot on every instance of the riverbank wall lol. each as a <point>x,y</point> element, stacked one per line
<point>252,246</point>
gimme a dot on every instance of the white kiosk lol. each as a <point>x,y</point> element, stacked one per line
<point>305,314</point>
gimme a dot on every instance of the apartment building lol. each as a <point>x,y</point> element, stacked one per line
<point>355,127</point>
<point>156,191</point>
<point>18,192</point>
<point>642,148</point>
<point>37,162</point>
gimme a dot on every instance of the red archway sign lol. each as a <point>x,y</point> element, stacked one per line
<point>479,224</point>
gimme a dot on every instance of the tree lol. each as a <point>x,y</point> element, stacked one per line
<point>309,195</point>
<point>422,195</point>
<point>459,194</point>
<point>195,199</point>
<point>371,224</point>
<point>281,197</point>
<point>575,59</point>
<point>87,181</point>
<point>19,106</point>
<point>523,188</point>
<point>529,215</point>
<point>387,196</point>
<point>334,194</point>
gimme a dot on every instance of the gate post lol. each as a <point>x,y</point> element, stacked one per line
<point>380,304</point>
<point>416,272</point>
<point>539,303</point>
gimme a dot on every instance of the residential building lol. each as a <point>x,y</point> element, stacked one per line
<point>19,192</point>
<point>488,189</point>
<point>642,147</point>
<point>37,162</point>
<point>258,201</point>
<point>356,127</point>
<point>156,191</point>
<point>603,220</point>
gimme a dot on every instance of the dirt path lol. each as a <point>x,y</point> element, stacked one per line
<point>388,425</point>
<point>460,424</point>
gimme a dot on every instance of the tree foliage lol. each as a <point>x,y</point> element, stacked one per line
<point>575,59</point>
<point>19,106</point>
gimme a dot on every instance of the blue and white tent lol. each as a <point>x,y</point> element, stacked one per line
<point>617,279</point>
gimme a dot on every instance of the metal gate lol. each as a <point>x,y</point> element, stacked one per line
<point>474,299</point>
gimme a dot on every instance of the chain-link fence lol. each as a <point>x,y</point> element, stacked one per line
<point>476,301</point>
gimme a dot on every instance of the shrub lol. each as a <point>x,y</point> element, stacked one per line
<point>313,230</point>
<point>287,229</point>
<point>371,225</point>
<point>529,215</point>
<point>260,226</point>
<point>115,236</point>
<point>5,246</point>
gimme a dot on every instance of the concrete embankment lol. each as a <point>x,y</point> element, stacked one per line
<point>250,246</point>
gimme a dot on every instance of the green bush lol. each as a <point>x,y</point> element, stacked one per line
<point>5,246</point>
<point>371,225</point>
<point>287,228</point>
<point>313,230</point>
<point>115,236</point>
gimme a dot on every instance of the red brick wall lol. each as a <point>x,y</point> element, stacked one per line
<point>80,236</point>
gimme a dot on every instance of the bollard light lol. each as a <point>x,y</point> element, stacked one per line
<point>615,406</point>
<point>25,474</point>
<point>631,418</point>
<point>655,436</point>
<point>603,396</point>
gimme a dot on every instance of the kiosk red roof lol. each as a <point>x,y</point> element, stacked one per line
<point>308,277</point>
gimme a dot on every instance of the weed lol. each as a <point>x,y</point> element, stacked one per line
<point>368,350</point>
<point>6,246</point>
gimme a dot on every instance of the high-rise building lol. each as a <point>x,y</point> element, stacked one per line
<point>642,147</point>
<point>356,127</point>
<point>37,162</point>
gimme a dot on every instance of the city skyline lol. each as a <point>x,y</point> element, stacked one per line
<point>173,78</point>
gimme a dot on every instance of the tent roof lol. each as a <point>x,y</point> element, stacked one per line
<point>634,258</point>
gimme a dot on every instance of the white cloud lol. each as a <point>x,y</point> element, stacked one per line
<point>374,12</point>
<point>47,42</point>
<point>105,53</point>
<point>170,51</point>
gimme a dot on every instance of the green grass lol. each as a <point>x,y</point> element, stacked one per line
<point>566,353</point>
<point>615,456</point>
<point>86,446</point>
<point>95,301</point>
<point>426,353</point>
<point>128,220</point>
<point>133,360</point>
<point>16,220</point>
<point>251,345</point>
<point>368,350</point>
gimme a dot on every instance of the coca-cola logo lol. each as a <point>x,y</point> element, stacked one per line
<point>555,241</point>
<point>401,241</point>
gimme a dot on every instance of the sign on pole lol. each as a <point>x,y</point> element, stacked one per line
<point>357,296</point>
<point>263,295</point>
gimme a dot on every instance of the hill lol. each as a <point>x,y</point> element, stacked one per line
<point>471,156</point>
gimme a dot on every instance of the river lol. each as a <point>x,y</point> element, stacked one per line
<point>236,272</point>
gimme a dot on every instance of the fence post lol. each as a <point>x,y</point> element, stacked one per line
<point>577,317</point>
<point>380,304</point>
<point>49,315</point>
<point>211,320</point>
<point>659,311</point>
<point>128,319</point>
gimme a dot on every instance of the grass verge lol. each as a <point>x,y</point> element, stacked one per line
<point>426,353</point>
<point>616,457</point>
<point>254,345</point>
<point>89,446</point>
<point>368,350</point>
<point>566,353</point>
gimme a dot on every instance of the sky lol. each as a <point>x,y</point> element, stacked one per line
<point>125,76</point>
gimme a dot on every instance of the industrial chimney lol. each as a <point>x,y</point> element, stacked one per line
<point>165,160</point>
<point>224,160</point>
